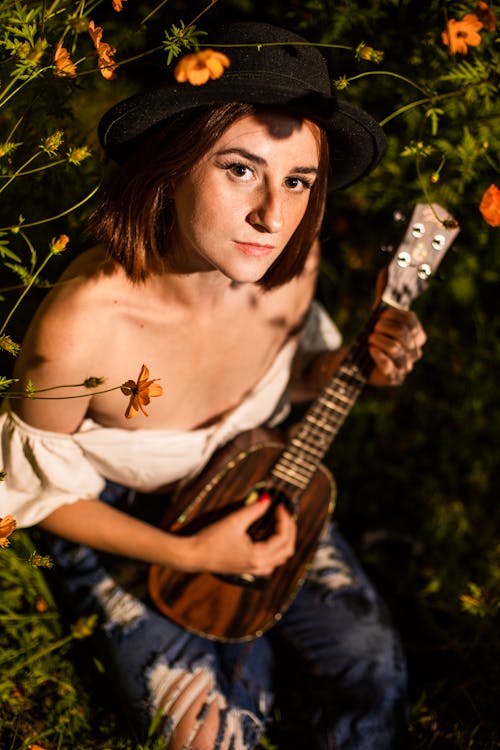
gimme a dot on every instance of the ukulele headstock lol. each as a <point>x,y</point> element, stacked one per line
<point>428,236</point>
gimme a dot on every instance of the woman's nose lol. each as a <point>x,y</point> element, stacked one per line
<point>267,212</point>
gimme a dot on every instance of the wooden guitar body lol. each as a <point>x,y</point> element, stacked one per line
<point>239,609</point>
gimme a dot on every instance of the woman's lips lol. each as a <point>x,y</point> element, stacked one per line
<point>255,250</point>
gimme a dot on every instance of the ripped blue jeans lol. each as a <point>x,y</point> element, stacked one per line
<point>334,650</point>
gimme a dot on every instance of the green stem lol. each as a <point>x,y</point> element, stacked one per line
<point>393,75</point>
<point>55,387</point>
<point>428,100</point>
<point>9,86</point>
<point>52,285</point>
<point>16,174</point>
<point>23,394</point>
<point>155,10</point>
<point>202,13</point>
<point>57,216</point>
<point>280,44</point>
<point>27,618</point>
<point>31,249</point>
<point>31,171</point>
<point>23,84</point>
<point>25,292</point>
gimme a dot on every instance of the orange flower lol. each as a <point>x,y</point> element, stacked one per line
<point>200,66</point>
<point>64,65</point>
<point>105,52</point>
<point>58,244</point>
<point>490,206</point>
<point>140,393</point>
<point>7,526</point>
<point>460,35</point>
<point>40,604</point>
<point>118,5</point>
<point>486,15</point>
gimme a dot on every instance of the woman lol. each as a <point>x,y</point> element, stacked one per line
<point>206,272</point>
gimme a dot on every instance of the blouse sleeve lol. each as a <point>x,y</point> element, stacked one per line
<point>43,470</point>
<point>320,332</point>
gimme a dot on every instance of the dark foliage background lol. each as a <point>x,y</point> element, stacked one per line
<point>416,467</point>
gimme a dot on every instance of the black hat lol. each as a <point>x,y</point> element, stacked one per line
<point>286,71</point>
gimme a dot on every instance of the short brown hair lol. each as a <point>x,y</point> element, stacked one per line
<point>136,217</point>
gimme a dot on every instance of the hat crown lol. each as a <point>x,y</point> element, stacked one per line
<point>271,67</point>
<point>282,54</point>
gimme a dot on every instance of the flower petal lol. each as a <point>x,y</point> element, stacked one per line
<point>7,526</point>
<point>198,67</point>
<point>155,389</point>
<point>96,33</point>
<point>490,206</point>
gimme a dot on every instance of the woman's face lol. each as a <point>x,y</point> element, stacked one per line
<point>242,202</point>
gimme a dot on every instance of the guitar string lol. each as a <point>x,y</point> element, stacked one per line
<point>337,399</point>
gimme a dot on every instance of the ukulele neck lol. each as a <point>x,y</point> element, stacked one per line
<point>324,418</point>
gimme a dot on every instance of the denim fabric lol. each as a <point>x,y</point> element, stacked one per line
<point>334,648</point>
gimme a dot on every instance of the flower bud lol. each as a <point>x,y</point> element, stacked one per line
<point>57,245</point>
<point>364,52</point>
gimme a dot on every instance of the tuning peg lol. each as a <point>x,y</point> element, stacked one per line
<point>399,216</point>
<point>387,249</point>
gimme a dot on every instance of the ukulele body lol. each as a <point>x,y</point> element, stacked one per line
<point>222,608</point>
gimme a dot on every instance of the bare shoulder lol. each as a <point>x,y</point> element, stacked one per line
<point>66,341</point>
<point>66,321</point>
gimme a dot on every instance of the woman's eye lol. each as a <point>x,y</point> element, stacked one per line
<point>242,171</point>
<point>299,183</point>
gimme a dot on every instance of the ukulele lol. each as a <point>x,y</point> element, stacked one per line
<point>241,607</point>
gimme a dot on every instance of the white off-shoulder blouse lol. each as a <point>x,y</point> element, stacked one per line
<point>45,470</point>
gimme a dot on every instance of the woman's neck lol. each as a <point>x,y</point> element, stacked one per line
<point>206,289</point>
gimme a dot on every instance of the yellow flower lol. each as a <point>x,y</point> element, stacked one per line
<point>7,526</point>
<point>63,63</point>
<point>53,142</point>
<point>490,206</point>
<point>341,83</point>
<point>140,393</point>
<point>84,627</point>
<point>8,345</point>
<point>460,35</point>
<point>200,66</point>
<point>363,52</point>
<point>78,154</point>
<point>105,52</point>
<point>40,561</point>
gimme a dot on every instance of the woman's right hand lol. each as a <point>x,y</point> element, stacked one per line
<point>226,547</point>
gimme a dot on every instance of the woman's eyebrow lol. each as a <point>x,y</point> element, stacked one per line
<point>259,160</point>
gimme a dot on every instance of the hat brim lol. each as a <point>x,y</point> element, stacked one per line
<point>357,142</point>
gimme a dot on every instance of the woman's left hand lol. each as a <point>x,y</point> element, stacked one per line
<point>395,345</point>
